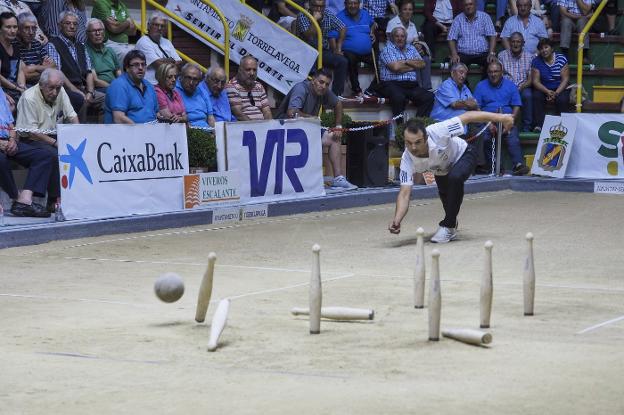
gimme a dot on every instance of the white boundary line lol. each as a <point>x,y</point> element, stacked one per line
<point>604,323</point>
<point>87,300</point>
<point>303,284</point>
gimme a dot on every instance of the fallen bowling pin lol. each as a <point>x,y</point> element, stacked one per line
<point>218,323</point>
<point>205,290</point>
<point>470,336</point>
<point>338,313</point>
<point>419,270</point>
<point>316,292</point>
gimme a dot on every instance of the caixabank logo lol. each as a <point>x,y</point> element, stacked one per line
<point>72,161</point>
<point>611,134</point>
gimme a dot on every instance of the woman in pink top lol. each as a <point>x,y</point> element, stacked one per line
<point>170,102</point>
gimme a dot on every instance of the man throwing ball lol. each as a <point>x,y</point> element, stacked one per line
<point>437,148</point>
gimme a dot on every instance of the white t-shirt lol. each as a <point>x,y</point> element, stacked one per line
<point>412,33</point>
<point>444,11</point>
<point>153,53</point>
<point>445,148</point>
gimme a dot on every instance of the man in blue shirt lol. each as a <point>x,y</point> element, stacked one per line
<point>130,99</point>
<point>214,89</point>
<point>453,97</point>
<point>494,94</point>
<point>358,43</point>
<point>197,104</point>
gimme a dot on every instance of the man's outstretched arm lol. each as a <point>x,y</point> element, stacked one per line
<point>402,205</point>
<point>484,116</point>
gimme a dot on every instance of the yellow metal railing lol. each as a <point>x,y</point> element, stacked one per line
<point>225,47</point>
<point>581,41</point>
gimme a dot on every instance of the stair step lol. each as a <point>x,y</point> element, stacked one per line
<point>618,60</point>
<point>608,93</point>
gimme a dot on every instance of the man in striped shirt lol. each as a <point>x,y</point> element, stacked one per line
<point>248,99</point>
<point>517,68</point>
<point>32,52</point>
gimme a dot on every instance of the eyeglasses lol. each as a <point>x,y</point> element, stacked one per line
<point>217,81</point>
<point>251,99</point>
<point>192,78</point>
<point>70,23</point>
<point>138,65</point>
<point>95,31</point>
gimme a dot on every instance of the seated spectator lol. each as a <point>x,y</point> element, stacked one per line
<point>472,38</point>
<point>42,107</point>
<point>574,15</point>
<point>49,17</point>
<point>130,99</point>
<point>536,10</point>
<point>331,58</point>
<point>157,49</point>
<point>453,97</point>
<point>517,68</point>
<point>170,104</point>
<point>197,104</point>
<point>399,62</point>
<point>528,25</point>
<point>118,24</point>
<point>606,22</point>
<point>103,59</point>
<point>32,52</point>
<point>214,88</point>
<point>12,76</point>
<point>358,44</point>
<point>549,76</point>
<point>499,94</point>
<point>18,8</point>
<point>71,57</point>
<point>377,10</point>
<point>553,15</point>
<point>37,160</point>
<point>501,8</point>
<point>285,15</point>
<point>405,20</point>
<point>248,99</point>
<point>305,100</point>
<point>439,16</point>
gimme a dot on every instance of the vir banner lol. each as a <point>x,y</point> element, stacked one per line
<point>283,60</point>
<point>277,159</point>
<point>121,170</point>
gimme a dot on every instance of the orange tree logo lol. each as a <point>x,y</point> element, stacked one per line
<point>611,133</point>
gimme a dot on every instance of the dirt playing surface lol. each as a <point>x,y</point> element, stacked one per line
<point>83,332</point>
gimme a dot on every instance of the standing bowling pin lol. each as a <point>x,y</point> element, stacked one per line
<point>205,290</point>
<point>419,271</point>
<point>435,297</point>
<point>529,277</point>
<point>218,324</point>
<point>486,287</point>
<point>316,293</point>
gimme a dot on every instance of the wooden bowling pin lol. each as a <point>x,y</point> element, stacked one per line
<point>316,293</point>
<point>486,287</point>
<point>529,277</point>
<point>435,297</point>
<point>205,289</point>
<point>218,323</point>
<point>338,313</point>
<point>469,336</point>
<point>419,270</point>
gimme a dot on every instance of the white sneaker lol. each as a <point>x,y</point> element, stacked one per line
<point>340,181</point>
<point>444,235</point>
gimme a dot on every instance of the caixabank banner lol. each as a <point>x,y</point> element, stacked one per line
<point>120,170</point>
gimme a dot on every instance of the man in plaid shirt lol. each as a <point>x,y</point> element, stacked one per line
<point>574,14</point>
<point>399,82</point>
<point>517,68</point>
<point>332,58</point>
<point>472,38</point>
<point>377,9</point>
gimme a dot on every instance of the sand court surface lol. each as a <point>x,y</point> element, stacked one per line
<point>83,332</point>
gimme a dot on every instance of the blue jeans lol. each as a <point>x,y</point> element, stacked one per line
<point>513,146</point>
<point>339,65</point>
<point>527,108</point>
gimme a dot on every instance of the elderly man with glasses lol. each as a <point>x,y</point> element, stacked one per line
<point>247,96</point>
<point>157,48</point>
<point>214,89</point>
<point>197,104</point>
<point>103,58</point>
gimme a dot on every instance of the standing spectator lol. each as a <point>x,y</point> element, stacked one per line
<point>439,16</point>
<point>50,22</point>
<point>248,99</point>
<point>358,43</point>
<point>32,52</point>
<point>472,38</point>
<point>42,107</point>
<point>574,15</point>
<point>517,68</point>
<point>198,106</point>
<point>214,88</point>
<point>530,26</point>
<point>497,94</point>
<point>170,103</point>
<point>404,20</point>
<point>118,23</point>
<point>453,97</point>
<point>157,48</point>
<point>103,59</point>
<point>130,99</point>
<point>71,57</point>
<point>11,70</point>
<point>18,8</point>
<point>305,100</point>
<point>399,80</point>
<point>37,160</point>
<point>284,14</point>
<point>550,75</point>
<point>377,10</point>
<point>331,58</point>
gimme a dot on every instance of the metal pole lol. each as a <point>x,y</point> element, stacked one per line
<point>499,139</point>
